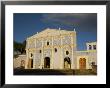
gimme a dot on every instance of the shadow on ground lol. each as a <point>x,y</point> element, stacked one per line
<point>52,72</point>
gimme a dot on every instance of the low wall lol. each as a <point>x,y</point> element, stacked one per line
<point>19,61</point>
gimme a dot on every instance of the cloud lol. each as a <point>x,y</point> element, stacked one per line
<point>69,18</point>
<point>85,22</point>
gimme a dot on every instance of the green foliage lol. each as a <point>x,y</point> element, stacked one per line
<point>19,47</point>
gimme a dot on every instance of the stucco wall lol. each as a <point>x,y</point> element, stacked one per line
<point>57,59</point>
<point>17,61</point>
<point>91,56</point>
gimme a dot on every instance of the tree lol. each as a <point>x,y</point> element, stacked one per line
<point>24,46</point>
<point>20,47</point>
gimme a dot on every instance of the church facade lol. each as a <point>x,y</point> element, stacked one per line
<point>57,49</point>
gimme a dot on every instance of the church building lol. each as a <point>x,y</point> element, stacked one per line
<point>57,49</point>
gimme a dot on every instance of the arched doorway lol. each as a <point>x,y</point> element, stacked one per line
<point>82,63</point>
<point>67,63</point>
<point>47,62</point>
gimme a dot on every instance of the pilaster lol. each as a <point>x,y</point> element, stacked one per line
<point>42,57</point>
<point>52,57</point>
<point>61,55</point>
<point>34,55</point>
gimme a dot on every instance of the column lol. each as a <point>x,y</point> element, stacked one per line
<point>34,56</point>
<point>72,48</point>
<point>61,55</point>
<point>42,57</point>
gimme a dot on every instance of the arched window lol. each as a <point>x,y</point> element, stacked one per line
<point>31,54</point>
<point>94,47</point>
<point>55,49</point>
<point>40,51</point>
<point>92,63</point>
<point>47,43</point>
<point>67,52</point>
<point>90,47</point>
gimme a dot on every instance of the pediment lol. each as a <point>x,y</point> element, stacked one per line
<point>51,32</point>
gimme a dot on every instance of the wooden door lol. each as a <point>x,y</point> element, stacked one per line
<point>82,63</point>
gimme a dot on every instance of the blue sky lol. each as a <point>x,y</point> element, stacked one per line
<point>28,24</point>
